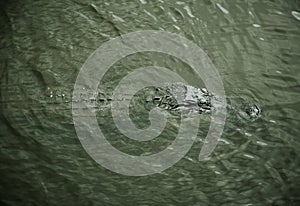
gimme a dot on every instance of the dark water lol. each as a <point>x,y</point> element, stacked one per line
<point>255,47</point>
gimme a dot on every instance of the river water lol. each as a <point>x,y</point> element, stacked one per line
<point>253,44</point>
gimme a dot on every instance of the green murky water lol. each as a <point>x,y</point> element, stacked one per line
<point>255,47</point>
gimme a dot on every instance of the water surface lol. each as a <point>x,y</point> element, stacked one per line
<point>255,47</point>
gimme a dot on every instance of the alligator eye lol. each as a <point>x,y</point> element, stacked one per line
<point>204,90</point>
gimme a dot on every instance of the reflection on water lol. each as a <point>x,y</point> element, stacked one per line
<point>253,44</point>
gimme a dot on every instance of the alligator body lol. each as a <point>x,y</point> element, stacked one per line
<point>177,97</point>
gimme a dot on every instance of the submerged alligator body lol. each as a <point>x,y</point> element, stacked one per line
<point>172,97</point>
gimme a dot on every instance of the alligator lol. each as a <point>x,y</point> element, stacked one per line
<point>187,99</point>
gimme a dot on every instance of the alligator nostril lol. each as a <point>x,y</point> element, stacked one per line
<point>253,111</point>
